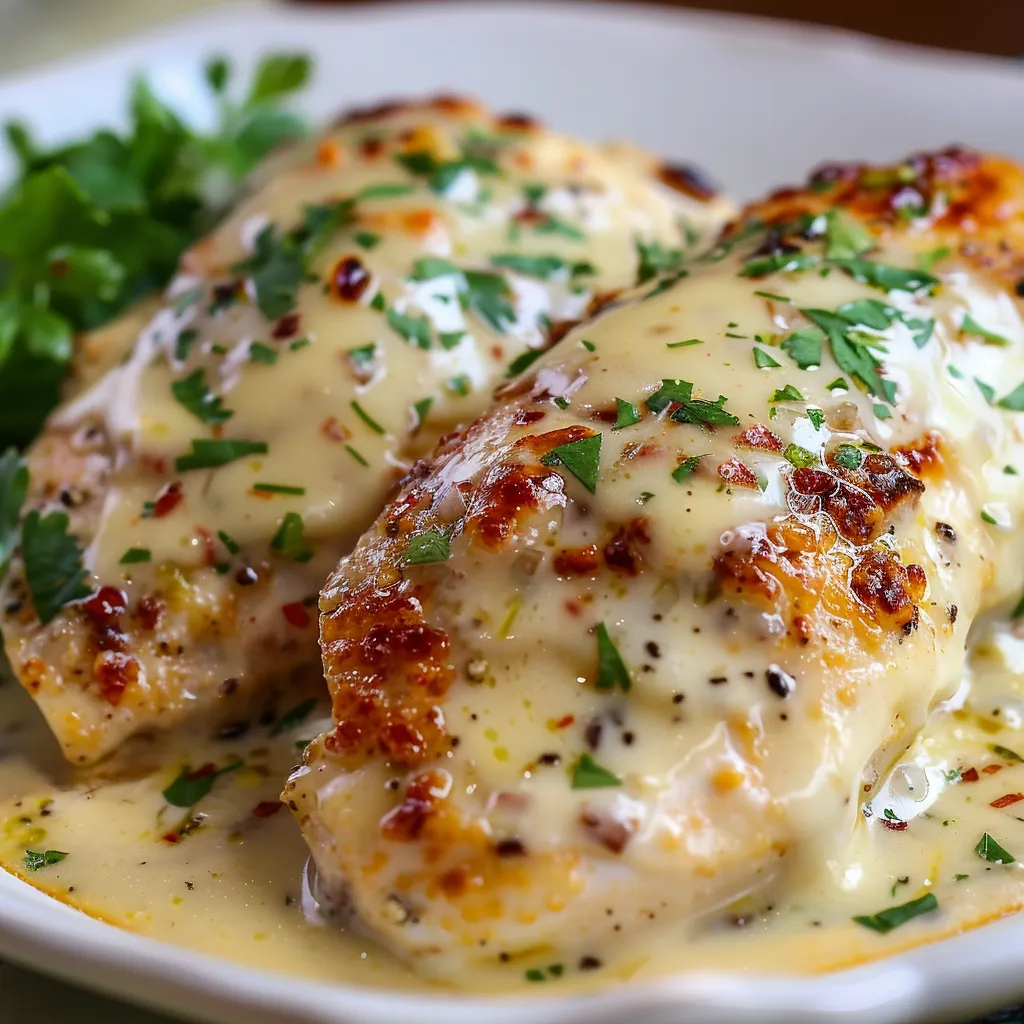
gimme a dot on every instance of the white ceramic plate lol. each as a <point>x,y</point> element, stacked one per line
<point>757,104</point>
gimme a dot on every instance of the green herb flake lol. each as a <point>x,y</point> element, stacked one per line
<point>195,396</point>
<point>414,329</point>
<point>988,849</point>
<point>210,453</point>
<point>928,260</point>
<point>773,296</point>
<point>191,786</point>
<point>971,326</point>
<point>362,356</point>
<point>777,263</point>
<point>260,353</point>
<point>588,774</point>
<point>184,342</point>
<point>276,269</point>
<point>367,240</point>
<point>427,547</point>
<point>135,555</point>
<point>845,238</point>
<point>229,542</point>
<point>611,669</point>
<point>645,496</point>
<point>588,345</point>
<point>13,489</point>
<point>522,361</point>
<point>987,391</point>
<point>764,361</point>
<point>290,539</point>
<point>799,457</point>
<point>804,347</point>
<point>654,259</point>
<point>366,417</point>
<point>420,410</point>
<point>627,414</point>
<point>958,877</point>
<point>687,468</point>
<point>839,384</point>
<point>1014,401</point>
<point>987,517</point>
<point>378,302</point>
<point>1005,752</point>
<point>886,920</point>
<point>34,860</point>
<point>582,458</point>
<point>293,717</point>
<point>53,563</point>
<point>888,279</point>
<point>459,385</point>
<point>451,339</point>
<point>684,344</point>
<point>817,418</point>
<point>848,456</point>
<point>279,489</point>
<point>387,190</point>
<point>357,455</point>
<point>787,394</point>
<point>552,225</point>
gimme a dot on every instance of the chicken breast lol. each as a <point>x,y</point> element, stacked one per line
<point>640,641</point>
<point>362,300</point>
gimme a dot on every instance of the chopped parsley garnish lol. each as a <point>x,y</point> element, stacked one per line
<point>691,410</point>
<point>1005,752</point>
<point>588,774</point>
<point>367,239</point>
<point>362,356</point>
<point>928,260</point>
<point>135,555</point>
<point>988,849</point>
<point>654,259</point>
<point>420,410</point>
<point>763,360</point>
<point>987,391</point>
<point>53,563</point>
<point>450,339</point>
<point>191,786</point>
<point>13,489</point>
<point>839,384</point>
<point>971,326</point>
<point>627,414</point>
<point>848,456</point>
<point>804,347</point>
<point>279,489</point>
<point>356,455</point>
<point>611,669</point>
<point>522,361</point>
<point>552,225</point>
<point>684,344</point>
<point>415,329</point>
<point>581,457</point>
<point>645,496</point>
<point>36,859</point>
<point>987,517</point>
<point>1014,401</point>
<point>293,717</point>
<point>544,267</point>
<point>588,345</point>
<point>855,359</point>
<point>209,453</point>
<point>538,974</point>
<point>845,238</point>
<point>886,920</point>
<point>686,468</point>
<point>817,418</point>
<point>459,385</point>
<point>378,302</point>
<point>195,396</point>
<point>386,190</point>
<point>488,296</point>
<point>761,266</point>
<point>429,546</point>
<point>184,342</point>
<point>773,296</point>
<point>787,394</point>
<point>276,269</point>
<point>260,353</point>
<point>888,279</point>
<point>229,542</point>
<point>441,174</point>
<point>800,457</point>
<point>290,539</point>
<point>366,417</point>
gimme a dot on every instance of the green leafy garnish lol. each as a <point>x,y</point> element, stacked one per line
<point>415,329</point>
<point>627,414</point>
<point>800,457</point>
<point>762,359</point>
<point>260,353</point>
<point>779,262</point>
<point>691,410</point>
<point>653,259</point>
<point>36,859</point>
<point>1005,752</point>
<point>581,457</point>
<point>988,849</point>
<point>845,238</point>
<point>886,920</point>
<point>229,542</point>
<point>195,396</point>
<point>53,563</point>
<point>276,269</point>
<point>588,774</point>
<point>817,417</point>
<point>135,555</point>
<point>686,468</point>
<point>522,361</point>
<point>971,326</point>
<point>888,279</point>
<point>848,456</point>
<point>366,417</point>
<point>293,717</point>
<point>611,669</point>
<point>13,488</point>
<point>441,174</point>
<point>209,453</point>
<point>191,786</point>
<point>429,546</point>
<point>787,394</point>
<point>290,539</point>
<point>858,360</point>
<point>1014,401</point>
<point>684,344</point>
<point>544,267</point>
<point>367,239</point>
<point>264,488</point>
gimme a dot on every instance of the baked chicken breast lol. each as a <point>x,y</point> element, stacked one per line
<point>186,506</point>
<point>641,640</point>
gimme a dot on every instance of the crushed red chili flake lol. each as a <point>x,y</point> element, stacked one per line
<point>209,548</point>
<point>296,614</point>
<point>970,775</point>
<point>106,606</point>
<point>894,824</point>
<point>267,808</point>
<point>991,769</point>
<point>167,500</point>
<point>171,837</point>
<point>565,721</point>
<point>734,472</point>
<point>1007,800</point>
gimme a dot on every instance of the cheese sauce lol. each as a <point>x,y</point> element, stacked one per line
<point>223,879</point>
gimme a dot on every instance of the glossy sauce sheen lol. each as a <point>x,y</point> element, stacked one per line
<point>363,299</point>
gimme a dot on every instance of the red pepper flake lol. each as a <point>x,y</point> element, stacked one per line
<point>105,606</point>
<point>760,437</point>
<point>296,614</point>
<point>991,769</point>
<point>894,824</point>
<point>735,473</point>
<point>287,326</point>
<point>970,775</point>
<point>565,721</point>
<point>267,808</point>
<point>171,837</point>
<point>1007,800</point>
<point>167,500</point>
<point>209,548</point>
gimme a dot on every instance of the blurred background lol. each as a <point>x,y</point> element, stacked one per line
<point>36,31</point>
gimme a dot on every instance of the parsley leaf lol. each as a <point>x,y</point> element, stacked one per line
<point>191,786</point>
<point>429,546</point>
<point>210,453</point>
<point>293,717</point>
<point>195,396</point>
<point>686,468</point>
<point>544,267</point>
<point>777,263</point>
<point>415,329</point>
<point>611,669</point>
<point>799,457</point>
<point>762,359</point>
<point>522,361</point>
<point>787,394</point>
<point>886,920</point>
<point>653,259</point>
<point>53,563</point>
<point>36,859</point>
<point>888,279</point>
<point>13,489</point>
<point>290,539</point>
<point>627,414</point>
<point>581,457</point>
<point>988,849</point>
<point>971,326</point>
<point>276,269</point>
<point>366,417</point>
<point>135,555</point>
<point>845,238</point>
<point>588,774</point>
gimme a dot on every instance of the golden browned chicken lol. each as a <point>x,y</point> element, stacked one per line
<point>641,640</point>
<point>364,298</point>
